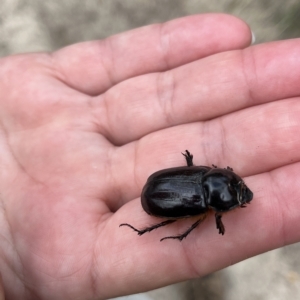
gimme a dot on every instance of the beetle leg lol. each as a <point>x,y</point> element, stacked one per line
<point>219,223</point>
<point>186,233</point>
<point>148,229</point>
<point>188,157</point>
<point>214,166</point>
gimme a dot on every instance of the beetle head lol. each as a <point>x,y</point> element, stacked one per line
<point>224,190</point>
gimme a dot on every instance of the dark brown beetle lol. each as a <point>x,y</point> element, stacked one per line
<point>183,192</point>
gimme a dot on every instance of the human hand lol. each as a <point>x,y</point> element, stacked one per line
<point>82,129</point>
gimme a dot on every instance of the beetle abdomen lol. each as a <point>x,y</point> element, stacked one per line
<point>175,192</point>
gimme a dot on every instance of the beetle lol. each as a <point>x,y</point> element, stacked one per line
<point>183,192</point>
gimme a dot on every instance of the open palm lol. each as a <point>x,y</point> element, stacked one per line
<point>82,129</point>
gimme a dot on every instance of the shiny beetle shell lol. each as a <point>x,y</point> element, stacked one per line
<point>183,192</point>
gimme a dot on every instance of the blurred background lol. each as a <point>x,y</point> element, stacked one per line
<point>37,25</point>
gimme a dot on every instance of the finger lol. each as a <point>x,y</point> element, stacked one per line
<point>269,222</point>
<point>251,141</point>
<point>93,67</point>
<point>202,90</point>
<point>2,296</point>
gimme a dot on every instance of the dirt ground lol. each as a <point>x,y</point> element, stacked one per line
<point>36,25</point>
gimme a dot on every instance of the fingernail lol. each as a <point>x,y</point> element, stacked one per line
<point>253,38</point>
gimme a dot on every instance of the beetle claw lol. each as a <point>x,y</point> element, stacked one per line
<point>148,229</point>
<point>188,157</point>
<point>138,231</point>
<point>219,223</point>
<point>175,237</point>
<point>186,233</point>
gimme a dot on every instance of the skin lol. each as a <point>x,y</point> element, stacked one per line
<point>82,129</point>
